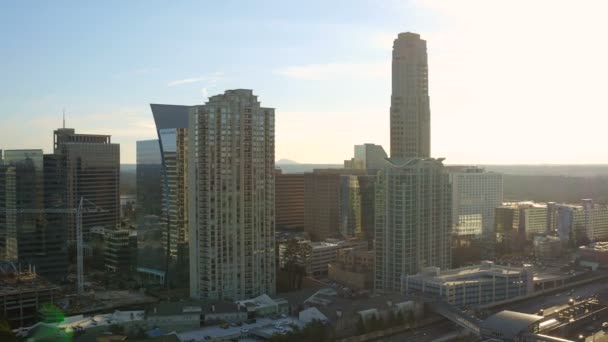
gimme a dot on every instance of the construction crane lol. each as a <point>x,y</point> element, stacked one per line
<point>78,211</point>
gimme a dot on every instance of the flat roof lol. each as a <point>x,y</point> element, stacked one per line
<point>510,323</point>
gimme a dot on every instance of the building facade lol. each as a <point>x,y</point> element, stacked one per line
<point>91,167</point>
<point>367,157</point>
<point>289,200</point>
<point>232,205</point>
<point>321,204</point>
<point>475,195</point>
<point>148,179</point>
<point>410,110</point>
<point>474,285</point>
<point>172,122</point>
<point>413,220</point>
<point>350,207</point>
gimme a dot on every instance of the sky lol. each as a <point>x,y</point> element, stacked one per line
<point>511,82</point>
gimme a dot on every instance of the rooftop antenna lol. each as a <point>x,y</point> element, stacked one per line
<point>64,118</point>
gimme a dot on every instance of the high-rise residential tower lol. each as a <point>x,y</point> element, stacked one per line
<point>91,166</point>
<point>410,110</point>
<point>231,174</point>
<point>413,220</point>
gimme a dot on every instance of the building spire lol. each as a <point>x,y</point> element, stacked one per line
<point>63,117</point>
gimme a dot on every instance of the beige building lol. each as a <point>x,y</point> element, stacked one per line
<point>410,109</point>
<point>231,175</point>
<point>413,220</point>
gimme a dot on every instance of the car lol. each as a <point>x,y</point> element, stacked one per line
<point>283,315</point>
<point>541,312</point>
<point>605,325</point>
<point>225,325</point>
<point>571,301</point>
<point>244,330</point>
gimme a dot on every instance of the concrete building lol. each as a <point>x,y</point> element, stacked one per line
<point>406,241</point>
<point>353,268</point>
<point>518,222</point>
<point>474,285</point>
<point>321,203</point>
<point>475,194</point>
<point>334,203</point>
<point>232,197</point>
<point>596,252</point>
<point>289,200</point>
<point>367,157</point>
<point>547,248</point>
<point>410,109</point>
<point>22,293</point>
<point>120,250</point>
<point>91,165</point>
<point>321,253</point>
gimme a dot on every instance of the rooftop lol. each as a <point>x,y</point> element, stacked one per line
<point>188,307</point>
<point>510,323</point>
<point>466,274</point>
<point>596,247</point>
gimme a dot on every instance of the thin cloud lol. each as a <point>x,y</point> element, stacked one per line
<point>335,71</point>
<point>213,78</point>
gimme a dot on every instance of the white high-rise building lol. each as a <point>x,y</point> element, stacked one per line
<point>231,198</point>
<point>475,194</point>
<point>413,220</point>
<point>410,109</point>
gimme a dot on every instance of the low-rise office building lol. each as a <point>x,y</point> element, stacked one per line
<point>320,254</point>
<point>595,253</point>
<point>473,285</point>
<point>547,248</point>
<point>353,268</point>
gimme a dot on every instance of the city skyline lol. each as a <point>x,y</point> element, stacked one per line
<point>313,66</point>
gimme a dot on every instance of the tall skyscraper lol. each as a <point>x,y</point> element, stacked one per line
<point>413,220</point>
<point>36,238</point>
<point>91,167</point>
<point>172,128</point>
<point>148,179</point>
<point>410,110</point>
<point>151,250</point>
<point>232,205</point>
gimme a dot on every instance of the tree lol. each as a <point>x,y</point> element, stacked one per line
<point>294,255</point>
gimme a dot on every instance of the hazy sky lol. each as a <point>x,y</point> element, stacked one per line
<point>510,81</point>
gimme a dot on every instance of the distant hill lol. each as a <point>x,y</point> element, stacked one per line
<point>286,162</point>
<point>300,168</point>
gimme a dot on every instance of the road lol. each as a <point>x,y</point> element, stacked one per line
<point>552,302</point>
